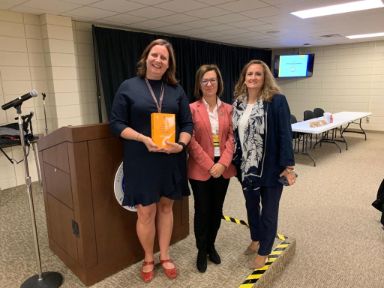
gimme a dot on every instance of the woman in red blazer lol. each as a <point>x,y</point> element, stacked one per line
<point>209,163</point>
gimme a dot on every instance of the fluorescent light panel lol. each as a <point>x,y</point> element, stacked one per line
<point>358,36</point>
<point>339,8</point>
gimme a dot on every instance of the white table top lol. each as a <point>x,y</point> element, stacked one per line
<point>339,119</point>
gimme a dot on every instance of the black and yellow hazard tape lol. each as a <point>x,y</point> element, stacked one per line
<point>252,278</point>
<point>234,220</point>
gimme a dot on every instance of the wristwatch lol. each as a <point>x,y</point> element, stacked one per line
<point>182,144</point>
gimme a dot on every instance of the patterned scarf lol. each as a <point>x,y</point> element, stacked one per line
<point>252,150</point>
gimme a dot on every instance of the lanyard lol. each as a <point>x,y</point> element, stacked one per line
<point>158,105</point>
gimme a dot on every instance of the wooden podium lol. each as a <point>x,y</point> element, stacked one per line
<point>87,228</point>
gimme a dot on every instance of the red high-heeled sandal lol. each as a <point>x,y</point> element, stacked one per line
<point>171,273</point>
<point>147,276</point>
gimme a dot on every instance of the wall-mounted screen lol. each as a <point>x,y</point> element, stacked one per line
<point>291,66</point>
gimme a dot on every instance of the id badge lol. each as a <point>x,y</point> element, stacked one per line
<point>216,144</point>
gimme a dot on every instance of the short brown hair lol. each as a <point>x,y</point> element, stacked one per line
<point>169,75</point>
<point>269,88</point>
<point>199,75</point>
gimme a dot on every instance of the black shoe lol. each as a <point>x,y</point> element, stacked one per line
<point>214,256</point>
<point>201,262</point>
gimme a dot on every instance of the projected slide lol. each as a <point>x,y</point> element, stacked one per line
<point>293,65</point>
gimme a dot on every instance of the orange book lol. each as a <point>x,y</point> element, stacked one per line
<point>163,128</point>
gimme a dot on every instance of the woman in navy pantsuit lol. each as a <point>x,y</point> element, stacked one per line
<point>263,153</point>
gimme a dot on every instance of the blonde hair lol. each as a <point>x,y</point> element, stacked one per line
<point>169,75</point>
<point>269,88</point>
<point>199,75</point>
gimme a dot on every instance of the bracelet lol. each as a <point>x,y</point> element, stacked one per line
<point>182,144</point>
<point>290,170</point>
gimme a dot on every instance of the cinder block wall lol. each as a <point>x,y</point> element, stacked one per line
<point>51,54</point>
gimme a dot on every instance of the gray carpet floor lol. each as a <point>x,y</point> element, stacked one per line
<point>339,240</point>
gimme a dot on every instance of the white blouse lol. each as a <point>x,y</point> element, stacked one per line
<point>214,120</point>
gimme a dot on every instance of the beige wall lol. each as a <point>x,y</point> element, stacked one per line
<point>345,78</point>
<point>51,54</point>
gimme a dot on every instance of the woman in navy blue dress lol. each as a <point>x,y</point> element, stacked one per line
<point>154,177</point>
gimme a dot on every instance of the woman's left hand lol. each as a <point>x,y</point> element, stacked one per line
<point>290,175</point>
<point>171,148</point>
<point>217,170</point>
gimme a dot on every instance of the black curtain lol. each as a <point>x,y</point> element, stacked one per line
<point>118,51</point>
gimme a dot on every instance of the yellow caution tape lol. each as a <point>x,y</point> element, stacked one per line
<point>258,273</point>
<point>234,220</point>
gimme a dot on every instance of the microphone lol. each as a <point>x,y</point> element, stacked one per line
<point>16,102</point>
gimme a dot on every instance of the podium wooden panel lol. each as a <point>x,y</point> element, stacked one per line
<point>87,228</point>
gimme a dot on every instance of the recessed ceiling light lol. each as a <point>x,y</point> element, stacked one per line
<point>370,35</point>
<point>339,8</point>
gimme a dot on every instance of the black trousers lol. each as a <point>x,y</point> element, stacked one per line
<point>262,210</point>
<point>209,199</point>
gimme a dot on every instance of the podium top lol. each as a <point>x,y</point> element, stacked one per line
<point>74,134</point>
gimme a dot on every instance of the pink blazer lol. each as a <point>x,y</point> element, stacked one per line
<point>200,149</point>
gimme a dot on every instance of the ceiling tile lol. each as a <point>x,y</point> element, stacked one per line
<point>7,4</point>
<point>236,31</point>
<point>246,24</point>
<point>117,5</point>
<point>230,18</point>
<point>82,2</point>
<point>216,28</point>
<point>193,32</point>
<point>262,28</point>
<point>207,12</point>
<point>53,6</point>
<point>91,13</point>
<point>200,23</point>
<point>148,24</point>
<point>181,6</point>
<point>262,12</point>
<point>174,28</point>
<point>152,12</point>
<point>124,19</point>
<point>244,5</point>
<point>149,2</point>
<point>216,2</point>
<point>25,9</point>
<point>177,18</point>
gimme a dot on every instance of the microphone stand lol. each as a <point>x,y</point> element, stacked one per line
<point>46,279</point>
<point>45,114</point>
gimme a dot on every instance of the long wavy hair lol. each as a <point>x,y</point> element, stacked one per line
<point>268,89</point>
<point>170,74</point>
<point>199,75</point>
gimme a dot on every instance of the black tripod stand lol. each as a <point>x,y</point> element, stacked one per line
<point>46,279</point>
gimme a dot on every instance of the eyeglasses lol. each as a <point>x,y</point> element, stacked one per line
<point>205,82</point>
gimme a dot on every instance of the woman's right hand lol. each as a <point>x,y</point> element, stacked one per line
<point>151,146</point>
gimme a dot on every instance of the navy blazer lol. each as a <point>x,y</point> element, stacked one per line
<point>278,145</point>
